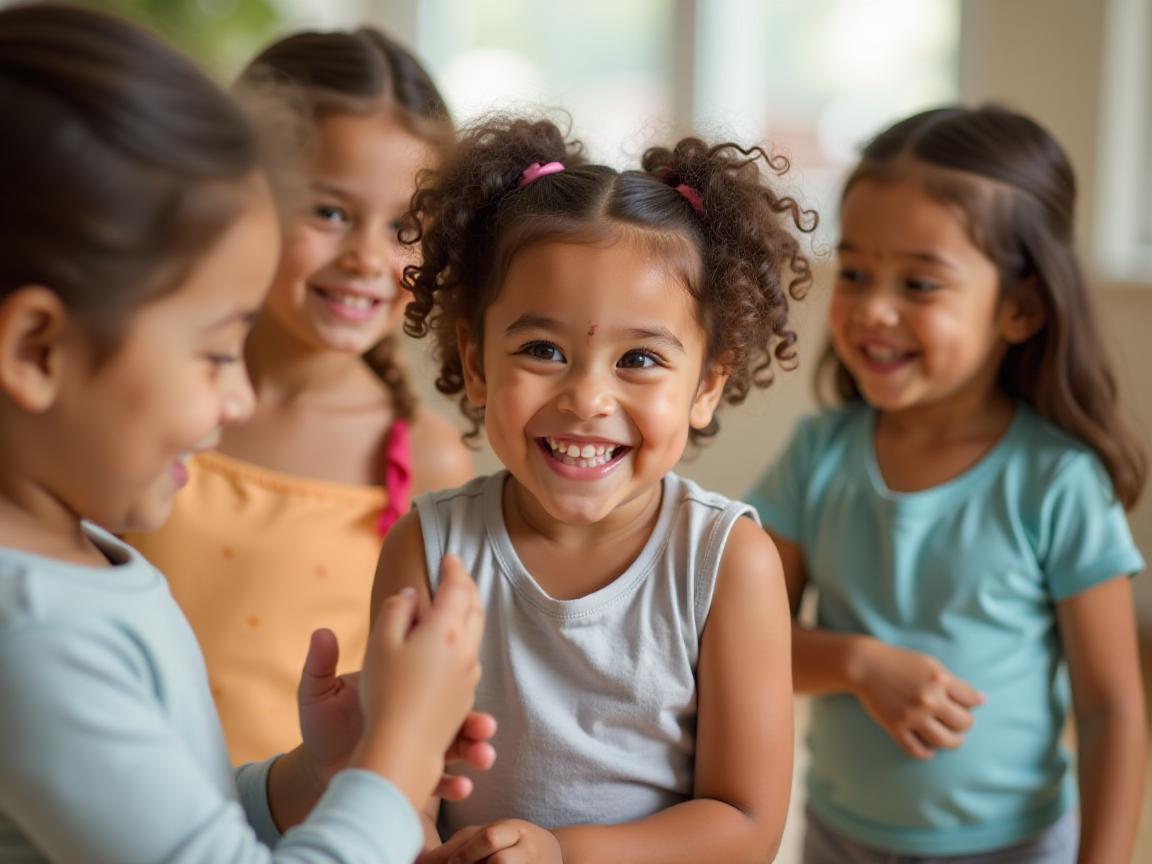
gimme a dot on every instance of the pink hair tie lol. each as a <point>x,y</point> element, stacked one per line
<point>692,196</point>
<point>535,171</point>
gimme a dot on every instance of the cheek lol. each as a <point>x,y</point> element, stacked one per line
<point>305,253</point>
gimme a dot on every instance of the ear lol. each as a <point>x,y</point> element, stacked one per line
<point>708,394</point>
<point>471,358</point>
<point>1022,315</point>
<point>33,321</point>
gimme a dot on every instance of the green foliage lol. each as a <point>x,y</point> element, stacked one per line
<point>220,34</point>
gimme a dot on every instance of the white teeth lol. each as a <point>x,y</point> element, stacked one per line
<point>352,301</point>
<point>586,456</point>
<point>882,355</point>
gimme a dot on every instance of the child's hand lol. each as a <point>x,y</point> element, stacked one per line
<point>509,841</point>
<point>329,706</point>
<point>332,724</point>
<point>418,682</point>
<point>471,746</point>
<point>914,698</point>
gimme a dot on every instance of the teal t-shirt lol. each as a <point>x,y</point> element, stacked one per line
<point>968,572</point>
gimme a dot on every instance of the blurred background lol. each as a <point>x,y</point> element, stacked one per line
<point>812,80</point>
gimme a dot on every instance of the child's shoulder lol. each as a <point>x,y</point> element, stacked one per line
<point>1046,451</point>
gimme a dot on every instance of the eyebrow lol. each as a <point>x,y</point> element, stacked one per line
<point>333,189</point>
<point>654,332</point>
<point>927,257</point>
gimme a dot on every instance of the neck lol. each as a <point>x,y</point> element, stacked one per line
<point>285,370</point>
<point>967,417</point>
<point>632,519</point>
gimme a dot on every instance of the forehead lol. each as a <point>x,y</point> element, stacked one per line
<point>373,148</point>
<point>604,283</point>
<point>901,212</point>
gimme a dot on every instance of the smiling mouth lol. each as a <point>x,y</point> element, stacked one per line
<point>582,455</point>
<point>349,300</point>
<point>885,356</point>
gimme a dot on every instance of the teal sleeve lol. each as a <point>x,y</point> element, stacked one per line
<point>93,772</point>
<point>778,495</point>
<point>1084,538</point>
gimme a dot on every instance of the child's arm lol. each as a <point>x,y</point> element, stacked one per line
<point>744,742</point>
<point>402,565</point>
<point>1098,634</point>
<point>912,696</point>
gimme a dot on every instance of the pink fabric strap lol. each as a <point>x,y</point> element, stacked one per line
<point>535,171</point>
<point>397,475</point>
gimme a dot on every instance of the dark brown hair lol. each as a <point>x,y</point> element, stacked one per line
<point>358,72</point>
<point>120,165</point>
<point>1023,221</point>
<point>739,258</point>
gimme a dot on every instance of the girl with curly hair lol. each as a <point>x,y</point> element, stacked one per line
<point>637,648</point>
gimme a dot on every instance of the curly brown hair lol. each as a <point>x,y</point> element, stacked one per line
<point>471,218</point>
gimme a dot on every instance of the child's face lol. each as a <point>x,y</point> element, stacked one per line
<point>338,285</point>
<point>595,351</point>
<point>916,314</point>
<point>176,378</point>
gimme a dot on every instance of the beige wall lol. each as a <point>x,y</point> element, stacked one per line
<point>1041,56</point>
<point>1047,57</point>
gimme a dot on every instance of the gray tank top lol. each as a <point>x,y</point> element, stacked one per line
<point>595,697</point>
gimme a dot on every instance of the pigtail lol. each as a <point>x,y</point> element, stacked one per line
<point>456,210</point>
<point>383,359</point>
<point>752,261</point>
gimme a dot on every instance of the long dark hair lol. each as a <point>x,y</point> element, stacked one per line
<point>120,165</point>
<point>737,256</point>
<point>1024,224</point>
<point>359,72</point>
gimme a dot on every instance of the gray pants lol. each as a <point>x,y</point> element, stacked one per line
<point>1057,844</point>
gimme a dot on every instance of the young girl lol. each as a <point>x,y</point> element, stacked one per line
<point>637,654</point>
<point>961,517</point>
<point>137,233</point>
<point>280,527</point>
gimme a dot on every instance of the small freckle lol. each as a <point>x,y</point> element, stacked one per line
<point>228,552</point>
<point>217,691</point>
<point>253,621</point>
<point>321,571</point>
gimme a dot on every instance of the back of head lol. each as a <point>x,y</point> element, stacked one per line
<point>121,164</point>
<point>708,213</point>
<point>1015,190</point>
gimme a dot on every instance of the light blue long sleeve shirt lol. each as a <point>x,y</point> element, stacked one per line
<point>110,748</point>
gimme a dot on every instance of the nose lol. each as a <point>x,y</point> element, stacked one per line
<point>587,394</point>
<point>237,399</point>
<point>367,252</point>
<point>877,307</point>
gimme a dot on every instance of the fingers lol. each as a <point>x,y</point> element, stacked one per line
<point>454,788</point>
<point>397,615</point>
<point>478,726</point>
<point>964,693</point>
<point>457,605</point>
<point>488,841</point>
<point>320,664</point>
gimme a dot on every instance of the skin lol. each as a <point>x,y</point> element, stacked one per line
<point>104,442</point>
<point>639,383</point>
<point>918,318</point>
<point>320,411</point>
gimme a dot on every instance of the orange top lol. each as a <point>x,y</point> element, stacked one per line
<point>258,560</point>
